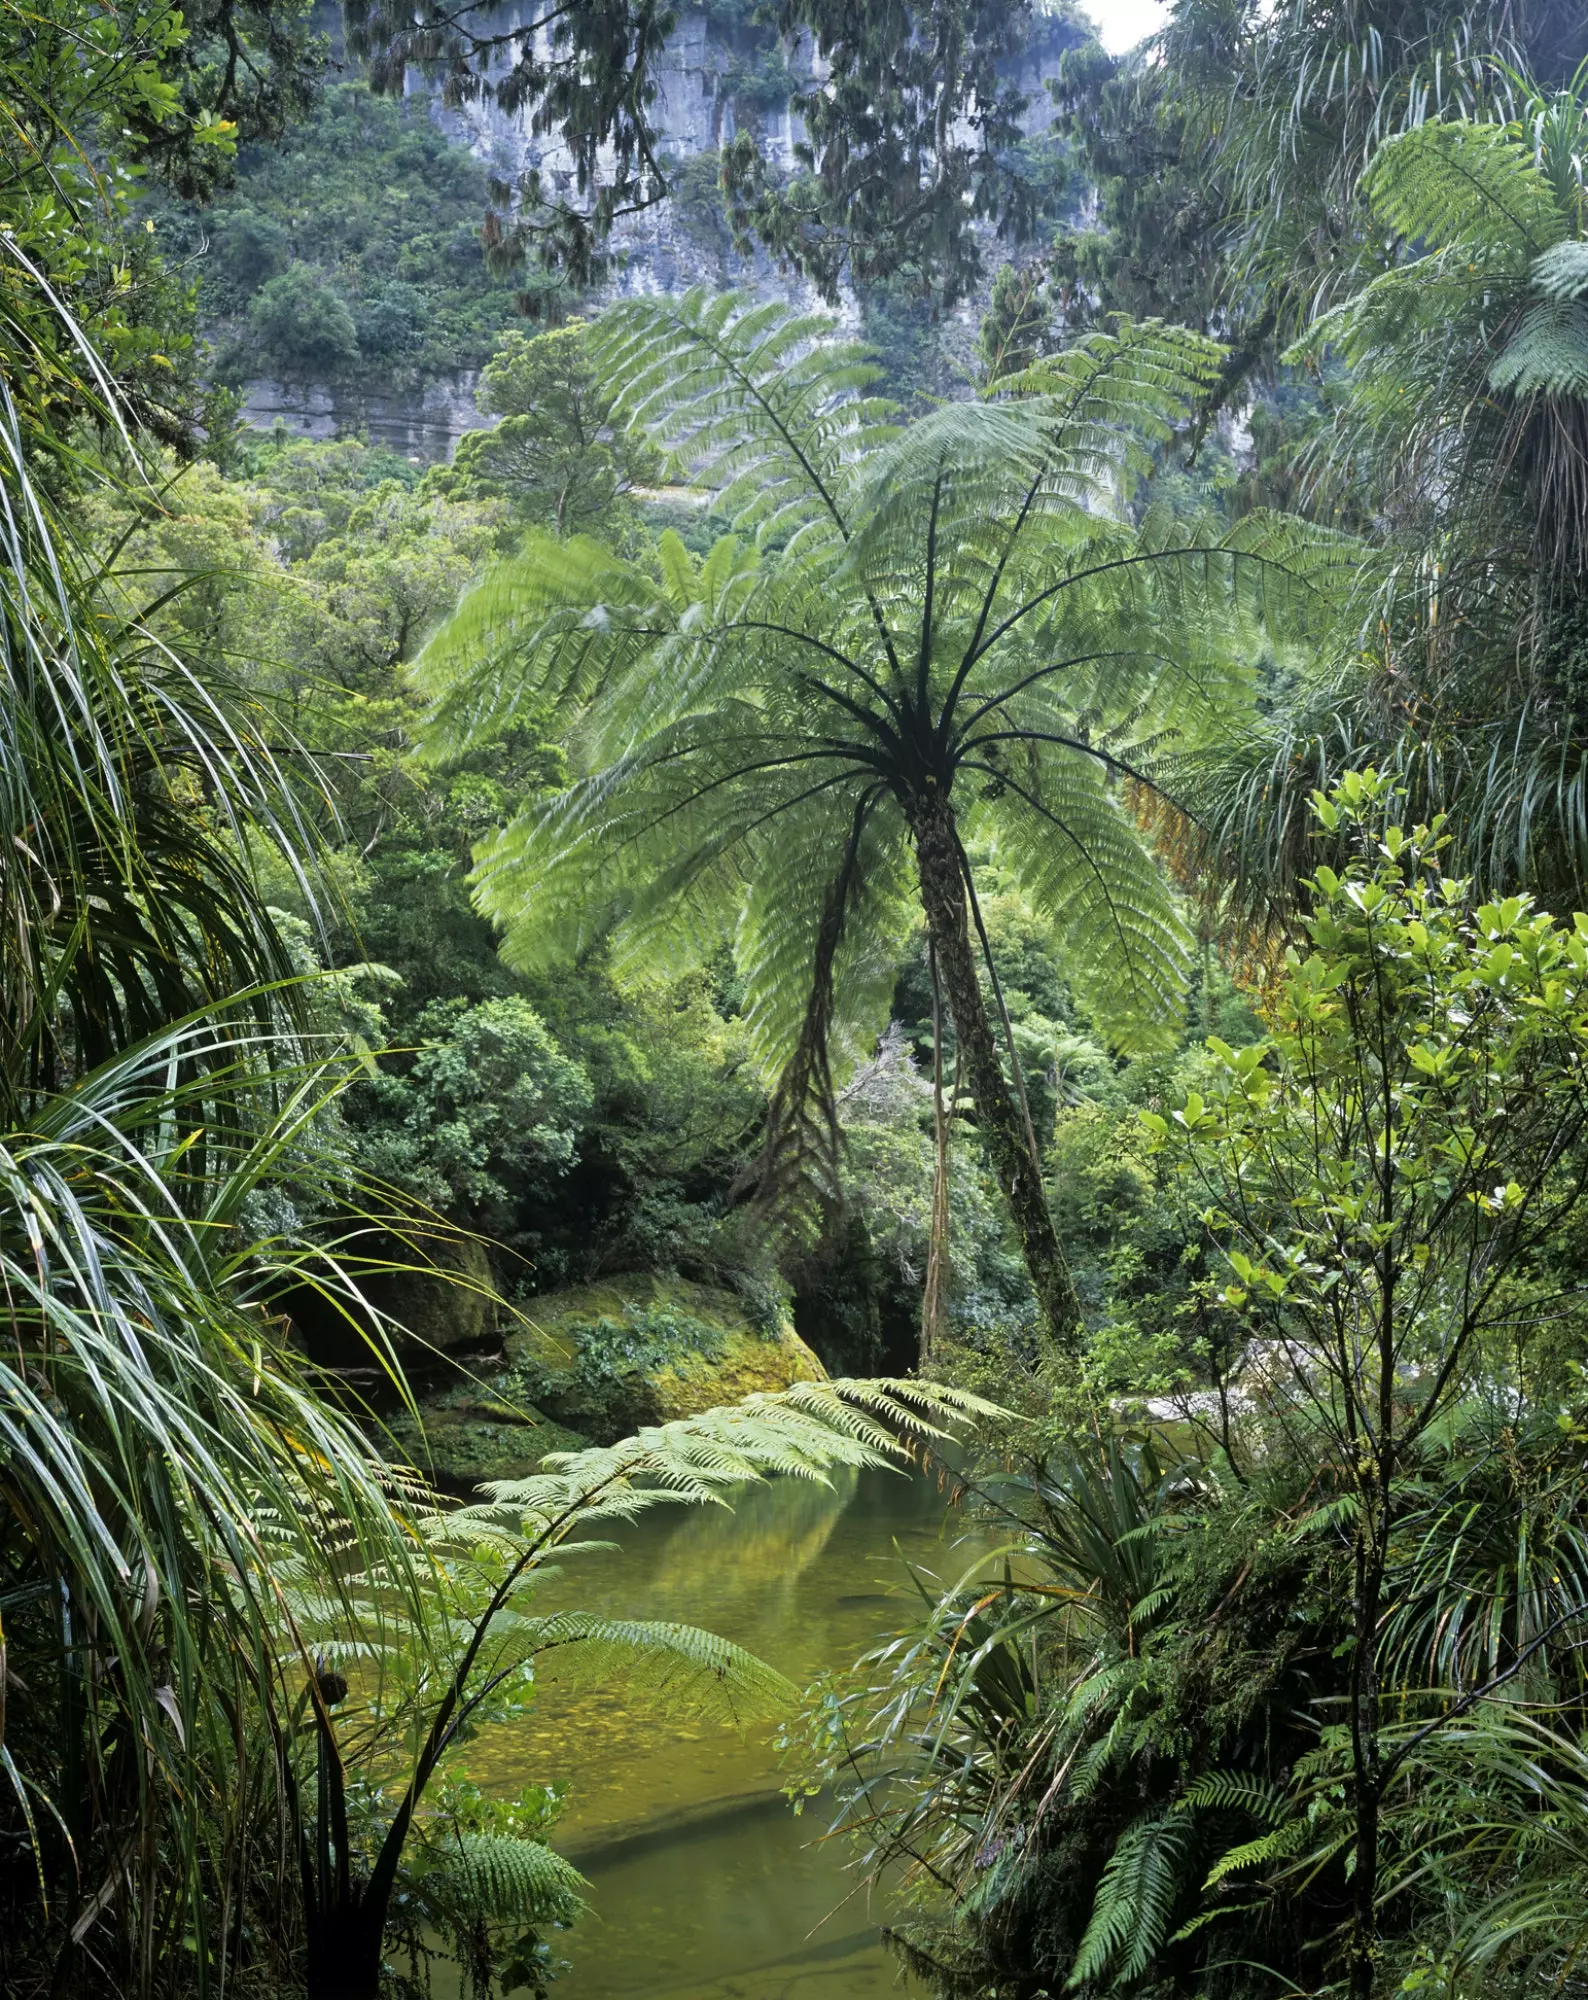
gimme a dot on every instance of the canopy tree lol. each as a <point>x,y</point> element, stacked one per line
<point>912,639</point>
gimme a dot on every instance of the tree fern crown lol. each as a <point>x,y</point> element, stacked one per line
<point>957,612</point>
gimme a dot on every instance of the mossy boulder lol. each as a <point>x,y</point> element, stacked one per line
<point>638,1349</point>
<point>428,1314</point>
<point>468,1437</point>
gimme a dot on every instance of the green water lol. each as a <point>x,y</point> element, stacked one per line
<point>704,1884</point>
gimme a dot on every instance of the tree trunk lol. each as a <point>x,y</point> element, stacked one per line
<point>1002,1131</point>
<point>344,1952</point>
<point>1367,1773</point>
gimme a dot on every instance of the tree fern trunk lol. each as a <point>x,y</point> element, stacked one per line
<point>1002,1132</point>
<point>344,1952</point>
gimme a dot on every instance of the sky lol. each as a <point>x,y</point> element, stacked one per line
<point>1124,23</point>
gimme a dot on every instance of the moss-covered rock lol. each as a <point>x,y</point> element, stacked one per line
<point>467,1439</point>
<point>639,1349</point>
<point>593,1364</point>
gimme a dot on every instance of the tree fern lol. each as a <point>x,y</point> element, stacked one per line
<point>910,636</point>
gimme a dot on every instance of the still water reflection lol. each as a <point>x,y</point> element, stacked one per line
<point>704,1885</point>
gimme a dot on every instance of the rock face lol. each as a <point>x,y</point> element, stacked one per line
<point>424,424</point>
<point>595,1363</point>
<point>609,1358</point>
<point>702,101</point>
<point>427,1316</point>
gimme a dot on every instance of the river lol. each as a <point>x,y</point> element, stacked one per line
<point>704,1885</point>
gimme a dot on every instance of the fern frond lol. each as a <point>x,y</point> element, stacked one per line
<point>1117,391</point>
<point>1236,1791</point>
<point>687,1670</point>
<point>1562,272</point>
<point>1548,353</point>
<point>1134,1905</point>
<point>1278,1845</point>
<point>1081,861</point>
<point>762,407</point>
<point>1450,184</point>
<point>805,1431</point>
<point>505,1879</point>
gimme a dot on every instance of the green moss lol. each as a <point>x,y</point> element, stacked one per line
<point>641,1349</point>
<point>465,1443</point>
<point>595,1363</point>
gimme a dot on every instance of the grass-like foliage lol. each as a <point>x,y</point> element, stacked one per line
<point>1461,421</point>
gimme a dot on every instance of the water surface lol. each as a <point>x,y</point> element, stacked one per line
<point>704,1884</point>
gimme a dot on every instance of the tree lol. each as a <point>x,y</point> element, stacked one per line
<point>1156,248</point>
<point>1469,355</point>
<point>941,628</point>
<point>301,323</point>
<point>1379,1175</point>
<point>912,134</point>
<point>1018,322</point>
<point>490,1099</point>
<point>557,453</point>
<point>1229,155</point>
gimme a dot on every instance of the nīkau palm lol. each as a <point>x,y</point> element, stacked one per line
<point>913,640</point>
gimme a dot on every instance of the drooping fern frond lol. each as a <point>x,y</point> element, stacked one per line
<point>805,1432</point>
<point>682,1669</point>
<point>1135,1902</point>
<point>1548,353</point>
<point>1236,1791</point>
<point>504,1879</point>
<point>1562,271</point>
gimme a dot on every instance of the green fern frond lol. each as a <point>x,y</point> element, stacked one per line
<point>686,1670</point>
<point>1082,862</point>
<point>1548,353</point>
<point>1448,184</point>
<point>806,1431</point>
<point>762,407</point>
<point>505,1879</point>
<point>1236,1791</point>
<point>1562,272</point>
<point>1111,395</point>
<point>1277,1845</point>
<point>1134,1905</point>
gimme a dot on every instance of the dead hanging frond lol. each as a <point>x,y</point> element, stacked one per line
<point>1248,914</point>
<point>798,1167</point>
